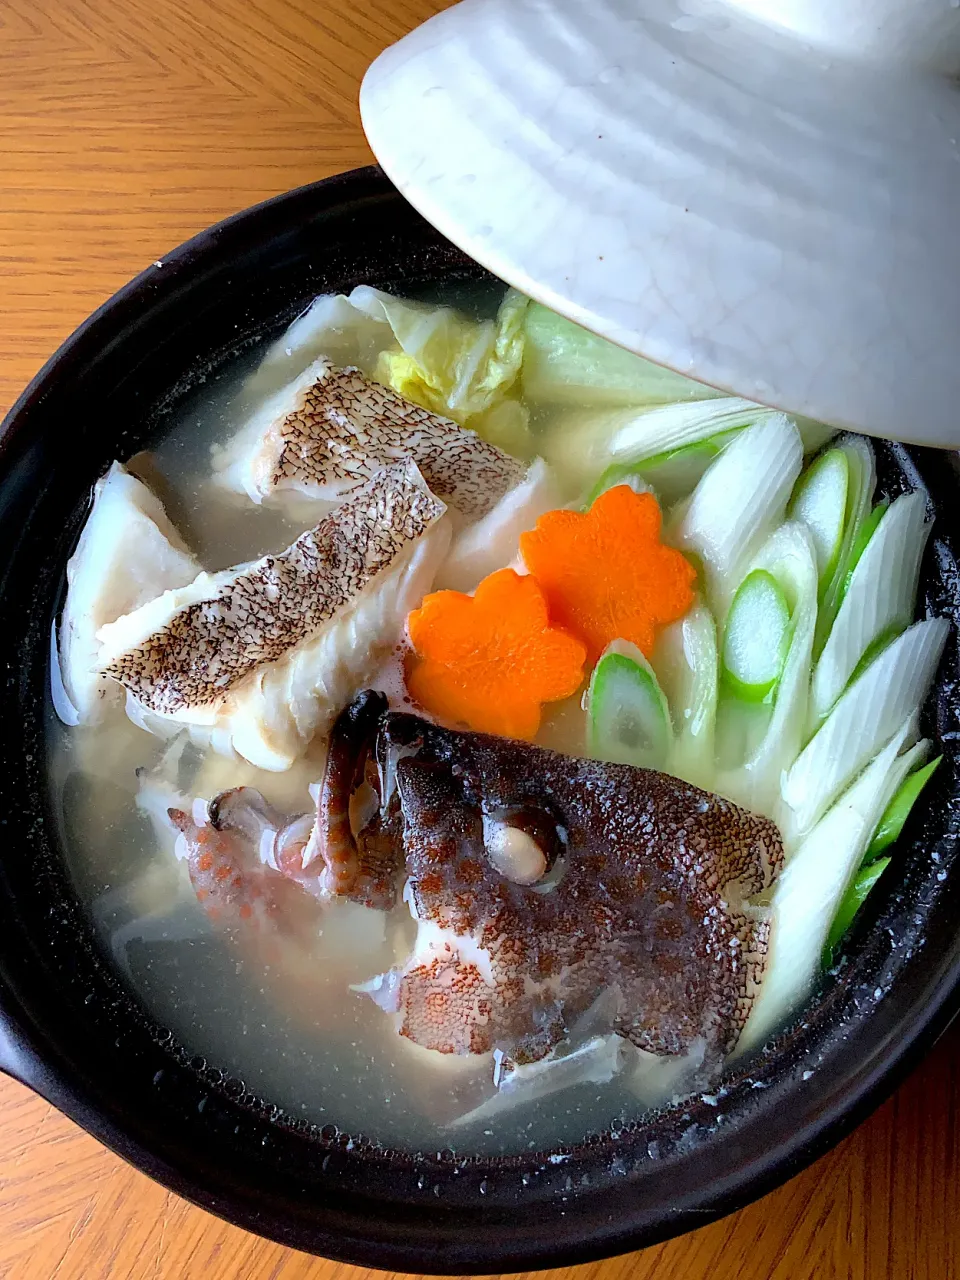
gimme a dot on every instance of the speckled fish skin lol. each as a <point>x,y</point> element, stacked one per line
<point>343,427</point>
<point>650,898</point>
<point>206,648</point>
<point>233,885</point>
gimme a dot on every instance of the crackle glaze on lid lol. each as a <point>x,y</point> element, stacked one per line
<point>762,194</point>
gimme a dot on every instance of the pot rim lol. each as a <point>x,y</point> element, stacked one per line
<point>28,1054</point>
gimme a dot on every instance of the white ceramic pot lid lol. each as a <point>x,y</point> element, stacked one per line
<point>770,206</point>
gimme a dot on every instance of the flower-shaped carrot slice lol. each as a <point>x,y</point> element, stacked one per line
<point>606,574</point>
<point>490,660</point>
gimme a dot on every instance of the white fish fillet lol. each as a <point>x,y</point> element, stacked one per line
<point>494,540</point>
<point>128,553</point>
<point>261,657</point>
<point>333,326</point>
<point>331,429</point>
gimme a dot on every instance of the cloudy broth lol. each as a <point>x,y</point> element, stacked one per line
<point>289,1027</point>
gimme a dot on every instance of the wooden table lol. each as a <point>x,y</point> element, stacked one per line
<point>126,126</point>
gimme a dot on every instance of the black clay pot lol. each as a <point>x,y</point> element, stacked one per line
<point>70,1029</point>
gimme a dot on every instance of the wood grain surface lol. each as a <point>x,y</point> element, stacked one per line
<point>126,126</point>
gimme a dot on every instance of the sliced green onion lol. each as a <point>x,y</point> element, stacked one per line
<point>808,892</point>
<point>851,903</point>
<point>878,600</point>
<point>874,649</point>
<point>614,476</point>
<point>872,867</point>
<point>862,481</point>
<point>820,502</point>
<point>867,530</point>
<point>687,668</point>
<point>898,810</point>
<point>740,731</point>
<point>755,637</point>
<point>628,720</point>
<point>755,781</point>
<point>739,502</point>
<point>889,693</point>
<point>671,475</point>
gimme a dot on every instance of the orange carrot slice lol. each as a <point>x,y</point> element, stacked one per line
<point>489,661</point>
<point>606,574</point>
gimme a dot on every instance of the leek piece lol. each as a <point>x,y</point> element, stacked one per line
<point>813,884</point>
<point>867,530</point>
<point>898,810</point>
<point>587,442</point>
<point>788,555</point>
<point>873,866</point>
<point>685,660</point>
<point>628,720</point>
<point>861,484</point>
<point>879,600</point>
<point>820,502</point>
<point>671,475</point>
<point>654,435</point>
<point>739,501</point>
<point>614,476</point>
<point>755,637</point>
<point>564,363</point>
<point>851,903</point>
<point>813,434</point>
<point>660,432</point>
<point>890,691</point>
<point>741,727</point>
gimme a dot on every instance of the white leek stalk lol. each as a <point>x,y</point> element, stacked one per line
<point>628,720</point>
<point>790,558</point>
<point>685,661</point>
<point>862,481</point>
<point>755,637</point>
<point>589,442</point>
<point>820,502</point>
<point>879,600</point>
<point>738,503</point>
<point>890,691</point>
<point>811,887</point>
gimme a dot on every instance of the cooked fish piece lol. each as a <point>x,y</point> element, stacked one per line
<point>232,847</point>
<point>539,880</point>
<point>128,553</point>
<point>260,658</point>
<point>331,429</point>
<point>494,540</point>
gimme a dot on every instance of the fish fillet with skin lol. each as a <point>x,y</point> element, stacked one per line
<point>261,657</point>
<point>128,553</point>
<point>331,429</point>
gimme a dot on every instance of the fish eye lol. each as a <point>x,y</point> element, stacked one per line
<point>523,844</point>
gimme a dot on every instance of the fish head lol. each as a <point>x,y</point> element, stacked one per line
<point>539,880</point>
